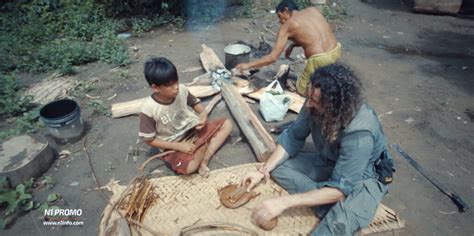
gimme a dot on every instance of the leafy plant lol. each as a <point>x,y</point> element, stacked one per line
<point>98,107</point>
<point>16,199</point>
<point>56,35</point>
<point>12,102</point>
<point>26,123</point>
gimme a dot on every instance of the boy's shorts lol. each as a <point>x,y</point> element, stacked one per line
<point>179,161</point>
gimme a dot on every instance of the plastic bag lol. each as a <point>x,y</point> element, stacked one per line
<point>274,103</point>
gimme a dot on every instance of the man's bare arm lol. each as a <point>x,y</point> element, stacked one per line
<point>316,197</point>
<point>278,48</point>
<point>273,207</point>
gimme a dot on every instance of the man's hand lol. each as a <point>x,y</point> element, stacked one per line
<point>185,147</point>
<point>268,210</point>
<point>253,177</point>
<point>242,67</point>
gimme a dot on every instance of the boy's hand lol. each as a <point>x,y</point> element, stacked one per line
<point>188,148</point>
<point>202,122</point>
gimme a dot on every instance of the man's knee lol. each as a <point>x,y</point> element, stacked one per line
<point>336,222</point>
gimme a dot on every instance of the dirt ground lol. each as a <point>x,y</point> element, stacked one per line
<point>418,75</point>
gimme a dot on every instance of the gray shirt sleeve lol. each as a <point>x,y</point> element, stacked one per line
<point>293,138</point>
<point>354,155</point>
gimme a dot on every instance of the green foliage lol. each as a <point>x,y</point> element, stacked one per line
<point>245,9</point>
<point>302,4</point>
<point>26,123</point>
<point>52,197</point>
<point>56,35</point>
<point>98,107</point>
<point>19,199</point>
<point>144,24</point>
<point>11,100</point>
<point>15,199</point>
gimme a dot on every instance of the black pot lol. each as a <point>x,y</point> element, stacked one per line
<point>235,54</point>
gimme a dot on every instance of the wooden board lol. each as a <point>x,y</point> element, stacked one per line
<point>297,101</point>
<point>133,107</point>
<point>259,139</point>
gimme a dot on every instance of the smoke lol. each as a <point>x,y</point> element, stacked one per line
<point>201,13</point>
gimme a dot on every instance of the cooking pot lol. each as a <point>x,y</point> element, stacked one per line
<point>235,54</point>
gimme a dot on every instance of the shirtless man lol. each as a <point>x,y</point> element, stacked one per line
<point>308,29</point>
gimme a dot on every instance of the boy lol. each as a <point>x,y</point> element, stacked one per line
<point>166,122</point>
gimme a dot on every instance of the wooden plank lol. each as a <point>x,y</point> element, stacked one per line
<point>259,139</point>
<point>297,101</point>
<point>209,59</point>
<point>438,6</point>
<point>133,107</point>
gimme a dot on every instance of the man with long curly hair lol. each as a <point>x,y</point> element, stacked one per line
<point>340,179</point>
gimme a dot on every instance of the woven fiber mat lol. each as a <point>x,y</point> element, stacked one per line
<point>192,200</point>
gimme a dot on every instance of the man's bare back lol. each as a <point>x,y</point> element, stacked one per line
<point>306,28</point>
<point>309,29</point>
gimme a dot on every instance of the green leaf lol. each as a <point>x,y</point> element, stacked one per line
<point>20,188</point>
<point>11,207</point>
<point>7,197</point>
<point>53,197</point>
<point>36,205</point>
<point>42,208</point>
<point>24,196</point>
<point>54,207</point>
<point>29,183</point>
<point>28,206</point>
<point>3,184</point>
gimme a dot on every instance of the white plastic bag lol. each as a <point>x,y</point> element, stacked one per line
<point>274,103</point>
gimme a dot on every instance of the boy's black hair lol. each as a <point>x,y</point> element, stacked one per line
<point>290,4</point>
<point>160,71</point>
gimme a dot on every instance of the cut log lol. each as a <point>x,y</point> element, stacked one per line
<point>204,79</point>
<point>259,139</point>
<point>25,157</point>
<point>209,59</point>
<point>215,100</point>
<point>438,6</point>
<point>134,106</point>
<point>297,101</point>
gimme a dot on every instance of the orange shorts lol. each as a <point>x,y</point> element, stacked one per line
<point>179,161</point>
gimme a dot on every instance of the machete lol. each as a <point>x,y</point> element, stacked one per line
<point>455,198</point>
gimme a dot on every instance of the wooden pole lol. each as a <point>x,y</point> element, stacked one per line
<point>134,106</point>
<point>259,139</point>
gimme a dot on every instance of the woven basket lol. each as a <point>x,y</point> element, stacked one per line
<point>192,200</point>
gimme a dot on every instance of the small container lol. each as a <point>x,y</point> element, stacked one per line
<point>63,120</point>
<point>235,54</point>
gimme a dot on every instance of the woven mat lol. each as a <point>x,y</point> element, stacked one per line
<point>192,200</point>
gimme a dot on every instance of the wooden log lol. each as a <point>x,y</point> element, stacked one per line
<point>297,101</point>
<point>259,139</point>
<point>438,6</point>
<point>209,59</point>
<point>215,100</point>
<point>133,107</point>
<point>24,157</point>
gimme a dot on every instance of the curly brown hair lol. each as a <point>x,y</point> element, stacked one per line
<point>340,98</point>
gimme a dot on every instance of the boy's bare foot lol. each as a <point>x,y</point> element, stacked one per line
<point>204,171</point>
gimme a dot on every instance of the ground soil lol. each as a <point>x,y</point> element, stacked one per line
<point>417,72</point>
